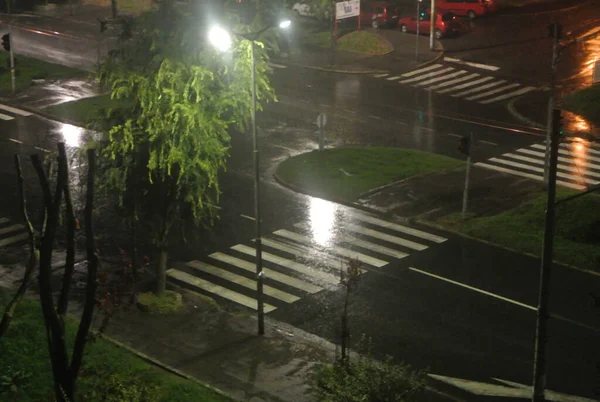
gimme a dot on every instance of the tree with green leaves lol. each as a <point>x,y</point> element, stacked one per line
<point>167,137</point>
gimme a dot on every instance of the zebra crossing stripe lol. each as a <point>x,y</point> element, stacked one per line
<point>293,265</point>
<point>14,239</point>
<point>466,85</point>
<point>217,290</point>
<point>399,228</point>
<point>527,175</point>
<point>6,117</point>
<point>386,237</point>
<point>455,81</point>
<point>11,228</point>
<point>393,78</point>
<point>380,75</point>
<point>564,152</point>
<point>4,220</point>
<point>241,280</point>
<point>15,111</point>
<point>271,274</point>
<point>422,70</point>
<point>518,92</point>
<point>300,251</point>
<point>373,247</point>
<point>561,159</point>
<point>573,169</point>
<point>493,91</point>
<point>587,149</point>
<point>442,78</point>
<point>336,249</point>
<point>481,88</point>
<point>422,77</point>
<point>540,170</point>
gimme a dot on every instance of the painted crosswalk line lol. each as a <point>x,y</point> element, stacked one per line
<point>295,266</point>
<point>459,83</point>
<point>10,113</point>
<point>578,164</point>
<point>12,233</point>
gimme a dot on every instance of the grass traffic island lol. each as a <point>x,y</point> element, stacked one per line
<point>577,239</point>
<point>109,373</point>
<point>585,102</point>
<point>168,302</point>
<point>82,111</point>
<point>354,41</point>
<point>343,174</point>
<point>28,69</point>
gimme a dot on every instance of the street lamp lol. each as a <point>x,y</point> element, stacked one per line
<point>221,40</point>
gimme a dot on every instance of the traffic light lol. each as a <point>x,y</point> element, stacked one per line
<point>464,145</point>
<point>6,42</point>
<point>557,122</point>
<point>555,30</point>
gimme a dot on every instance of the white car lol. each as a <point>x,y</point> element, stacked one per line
<point>302,9</point>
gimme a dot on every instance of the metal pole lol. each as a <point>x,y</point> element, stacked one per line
<point>467,177</point>
<point>12,59</point>
<point>418,26</point>
<point>259,272</point>
<point>550,107</point>
<point>321,137</point>
<point>541,333</point>
<point>432,23</point>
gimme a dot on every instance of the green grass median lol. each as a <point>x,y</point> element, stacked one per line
<point>585,102</point>
<point>108,373</point>
<point>82,111</point>
<point>577,239</point>
<point>354,41</point>
<point>345,173</point>
<point>28,69</point>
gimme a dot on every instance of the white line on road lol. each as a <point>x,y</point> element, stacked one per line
<point>493,91</point>
<point>374,117</point>
<point>248,217</point>
<point>528,175</point>
<point>6,117</point>
<point>509,95</point>
<point>393,78</point>
<point>276,65</point>
<point>455,81</point>
<point>380,75</point>
<point>454,135</point>
<point>487,142</point>
<point>442,78</point>
<point>466,85</point>
<point>14,110</point>
<point>422,77</point>
<point>422,70</point>
<point>17,141</point>
<point>471,64</point>
<point>481,88</point>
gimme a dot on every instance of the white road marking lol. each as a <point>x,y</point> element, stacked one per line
<point>478,89</point>
<point>574,150</point>
<point>493,91</point>
<point>393,78</point>
<point>488,142</point>
<point>380,75</point>
<point>574,169</point>
<point>276,65</point>
<point>293,265</point>
<point>442,78</point>
<point>4,220</point>
<point>575,162</point>
<point>217,290</point>
<point>248,217</point>
<point>529,176</point>
<point>518,92</point>
<point>374,117</point>
<point>386,237</point>
<point>15,111</point>
<point>271,274</point>
<point>13,140</point>
<point>466,85</point>
<point>372,247</point>
<point>6,117</point>
<point>14,239</point>
<point>506,299</point>
<point>422,77</point>
<point>399,228</point>
<point>422,70</point>
<point>11,228</point>
<point>302,251</point>
<point>336,249</point>
<point>454,135</point>
<point>565,152</point>
<point>540,170</point>
<point>455,81</point>
<point>241,280</point>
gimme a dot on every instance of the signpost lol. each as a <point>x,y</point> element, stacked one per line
<point>346,9</point>
<point>321,121</point>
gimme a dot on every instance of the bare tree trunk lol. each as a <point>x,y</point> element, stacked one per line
<point>161,273</point>
<point>92,273</point>
<point>63,299</point>
<point>33,254</point>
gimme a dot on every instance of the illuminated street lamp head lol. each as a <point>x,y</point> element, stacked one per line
<point>285,24</point>
<point>219,38</point>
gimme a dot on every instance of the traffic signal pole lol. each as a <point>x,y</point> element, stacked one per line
<point>12,60</point>
<point>432,16</point>
<point>555,31</point>
<point>541,333</point>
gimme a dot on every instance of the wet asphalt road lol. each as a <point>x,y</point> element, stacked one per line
<point>427,321</point>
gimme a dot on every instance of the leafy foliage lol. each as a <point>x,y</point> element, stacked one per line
<point>365,379</point>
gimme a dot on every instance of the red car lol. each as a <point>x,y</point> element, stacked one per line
<point>470,8</point>
<point>379,14</point>
<point>446,24</point>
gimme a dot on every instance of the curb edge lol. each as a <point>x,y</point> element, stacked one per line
<point>523,119</point>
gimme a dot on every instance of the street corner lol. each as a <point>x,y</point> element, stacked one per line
<point>530,109</point>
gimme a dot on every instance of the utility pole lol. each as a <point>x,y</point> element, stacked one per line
<point>12,60</point>
<point>541,333</point>
<point>418,29</point>
<point>554,31</point>
<point>432,25</point>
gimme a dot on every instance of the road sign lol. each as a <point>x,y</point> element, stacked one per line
<point>509,389</point>
<point>347,9</point>
<point>596,74</point>
<point>321,120</point>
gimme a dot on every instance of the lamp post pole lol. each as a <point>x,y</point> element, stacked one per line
<point>257,217</point>
<point>418,26</point>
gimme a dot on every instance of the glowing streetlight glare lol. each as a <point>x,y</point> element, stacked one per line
<point>285,24</point>
<point>219,38</point>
